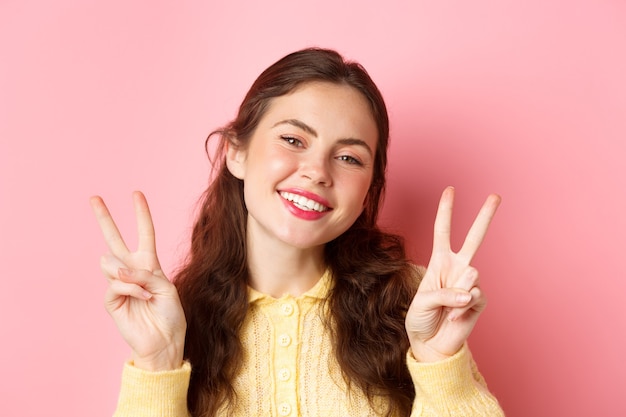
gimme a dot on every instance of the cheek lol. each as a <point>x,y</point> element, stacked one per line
<point>261,166</point>
<point>277,161</point>
<point>361,189</point>
<point>276,166</point>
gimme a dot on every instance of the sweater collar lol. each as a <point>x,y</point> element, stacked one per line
<point>319,291</point>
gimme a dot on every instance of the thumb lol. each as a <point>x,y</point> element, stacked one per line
<point>152,281</point>
<point>443,297</point>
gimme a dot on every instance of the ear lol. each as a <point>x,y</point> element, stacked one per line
<point>236,159</point>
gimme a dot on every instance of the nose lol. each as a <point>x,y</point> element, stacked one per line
<point>316,169</point>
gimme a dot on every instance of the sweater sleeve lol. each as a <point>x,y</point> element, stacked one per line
<point>452,387</point>
<point>153,394</point>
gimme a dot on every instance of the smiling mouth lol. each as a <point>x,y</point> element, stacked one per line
<point>304,203</point>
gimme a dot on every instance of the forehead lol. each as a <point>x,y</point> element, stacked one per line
<point>325,105</point>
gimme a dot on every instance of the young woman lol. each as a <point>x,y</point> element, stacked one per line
<point>292,301</point>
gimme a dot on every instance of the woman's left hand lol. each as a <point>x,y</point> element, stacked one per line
<point>449,299</point>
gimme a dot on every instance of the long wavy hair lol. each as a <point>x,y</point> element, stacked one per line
<point>373,280</point>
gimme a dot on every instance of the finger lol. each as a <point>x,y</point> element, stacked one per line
<point>444,297</point>
<point>141,277</point>
<point>443,221</point>
<point>110,266</point>
<point>468,279</point>
<point>111,233</point>
<point>479,228</point>
<point>118,290</point>
<point>476,305</point>
<point>145,227</point>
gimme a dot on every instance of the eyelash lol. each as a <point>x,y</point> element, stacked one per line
<point>350,160</point>
<point>293,141</point>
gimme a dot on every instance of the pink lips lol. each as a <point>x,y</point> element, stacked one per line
<point>305,214</point>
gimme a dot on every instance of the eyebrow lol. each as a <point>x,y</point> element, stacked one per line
<point>345,141</point>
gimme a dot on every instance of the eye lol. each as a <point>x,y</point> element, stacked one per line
<point>293,141</point>
<point>350,160</point>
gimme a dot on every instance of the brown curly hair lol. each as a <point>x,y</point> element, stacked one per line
<point>373,280</point>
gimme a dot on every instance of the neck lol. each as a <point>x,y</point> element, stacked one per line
<point>277,269</point>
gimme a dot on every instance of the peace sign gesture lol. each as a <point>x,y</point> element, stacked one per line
<point>449,299</point>
<point>142,301</point>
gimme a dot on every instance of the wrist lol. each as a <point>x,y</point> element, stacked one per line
<point>157,365</point>
<point>161,361</point>
<point>424,353</point>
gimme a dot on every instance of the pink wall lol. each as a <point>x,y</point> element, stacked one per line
<point>524,98</point>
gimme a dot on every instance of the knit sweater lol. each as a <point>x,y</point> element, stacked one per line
<point>289,370</point>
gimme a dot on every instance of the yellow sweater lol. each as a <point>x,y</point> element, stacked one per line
<point>289,370</point>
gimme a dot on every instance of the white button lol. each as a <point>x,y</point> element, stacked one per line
<point>284,409</point>
<point>284,340</point>
<point>286,309</point>
<point>284,374</point>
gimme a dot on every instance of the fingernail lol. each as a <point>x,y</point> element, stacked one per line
<point>125,271</point>
<point>463,298</point>
<point>146,295</point>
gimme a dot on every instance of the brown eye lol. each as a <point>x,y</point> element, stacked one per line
<point>292,141</point>
<point>350,160</point>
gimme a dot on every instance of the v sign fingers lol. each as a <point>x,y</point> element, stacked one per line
<point>477,232</point>
<point>145,227</point>
<point>109,229</point>
<point>449,299</point>
<point>145,257</point>
<point>143,303</point>
<point>443,222</point>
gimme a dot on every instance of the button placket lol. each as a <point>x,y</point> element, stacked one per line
<point>284,374</point>
<point>286,323</point>
<point>284,340</point>
<point>286,309</point>
<point>284,409</point>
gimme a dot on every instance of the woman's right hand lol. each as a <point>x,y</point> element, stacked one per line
<point>143,303</point>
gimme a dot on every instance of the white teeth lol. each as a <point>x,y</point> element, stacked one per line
<point>303,202</point>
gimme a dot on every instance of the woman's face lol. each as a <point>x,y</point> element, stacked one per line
<point>308,166</point>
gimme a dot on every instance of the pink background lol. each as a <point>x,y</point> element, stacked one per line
<point>524,98</point>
